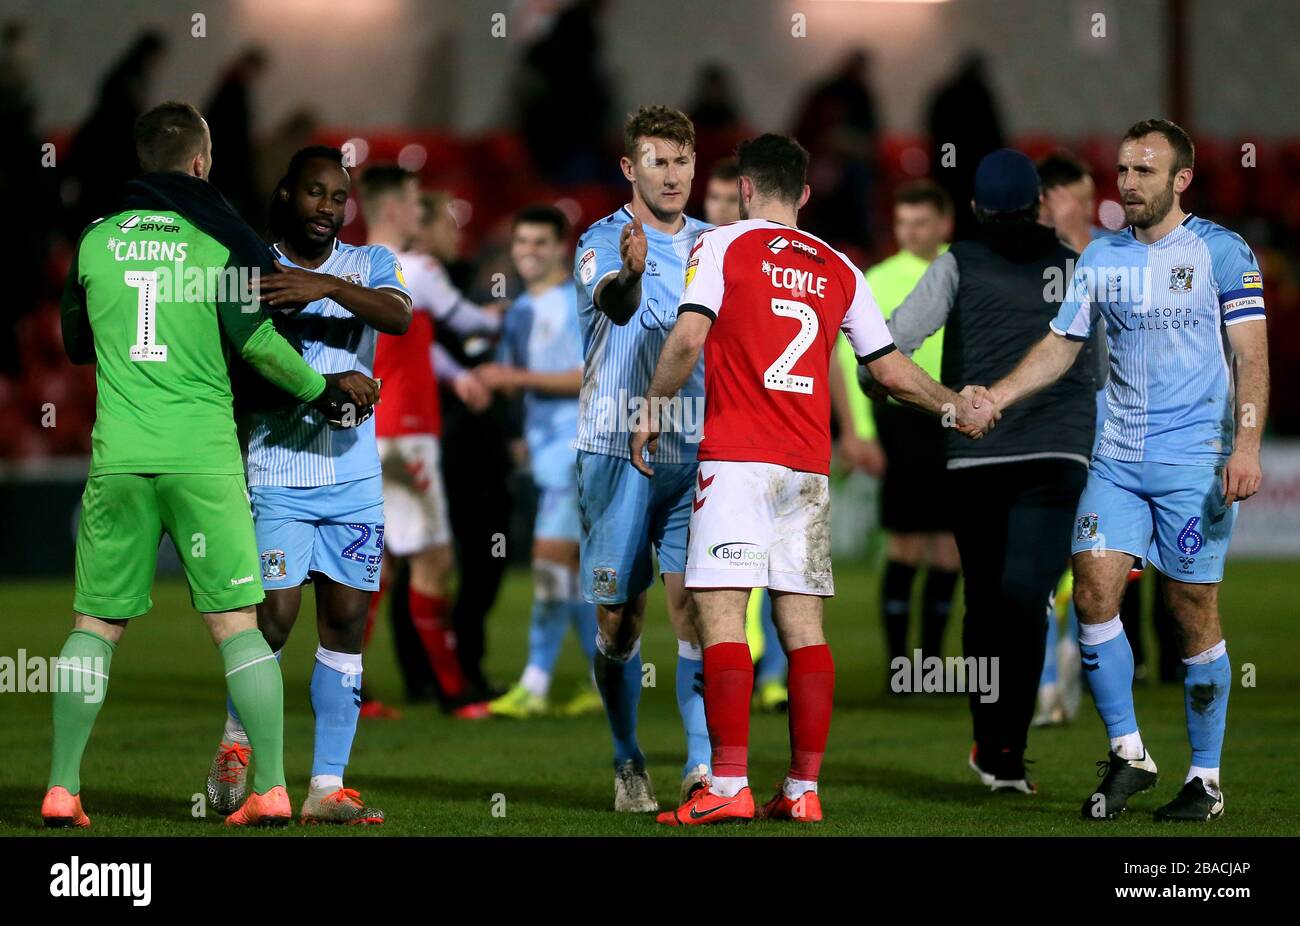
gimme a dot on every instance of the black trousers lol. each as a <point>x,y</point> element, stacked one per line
<point>1012,525</point>
<point>475,467</point>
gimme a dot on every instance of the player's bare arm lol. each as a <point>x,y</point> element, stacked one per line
<point>1045,363</point>
<point>385,310</point>
<point>619,296</point>
<point>1242,474</point>
<point>857,453</point>
<point>506,378</point>
<point>905,381</point>
<point>680,354</point>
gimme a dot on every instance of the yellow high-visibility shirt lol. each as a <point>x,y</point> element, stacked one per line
<point>891,281</point>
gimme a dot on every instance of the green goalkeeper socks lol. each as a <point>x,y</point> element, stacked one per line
<point>257,690</point>
<point>80,684</point>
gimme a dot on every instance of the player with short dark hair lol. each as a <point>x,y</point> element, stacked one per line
<point>722,195</point>
<point>169,135</point>
<point>166,457</point>
<point>765,300</point>
<point>1183,302</point>
<point>1067,199</point>
<point>318,504</point>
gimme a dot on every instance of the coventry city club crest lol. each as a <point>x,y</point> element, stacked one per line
<point>1087,527</point>
<point>273,564</point>
<point>605,581</point>
<point>1180,280</point>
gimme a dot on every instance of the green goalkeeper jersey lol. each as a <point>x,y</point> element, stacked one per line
<point>159,305</point>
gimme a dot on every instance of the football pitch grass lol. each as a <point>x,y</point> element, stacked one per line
<point>895,766</point>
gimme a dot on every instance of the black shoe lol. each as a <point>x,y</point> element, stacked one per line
<point>1121,779</point>
<point>1194,804</point>
<point>1006,772</point>
<point>425,693</point>
<point>484,692</point>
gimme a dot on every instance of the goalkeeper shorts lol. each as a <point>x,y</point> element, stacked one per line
<point>123,519</point>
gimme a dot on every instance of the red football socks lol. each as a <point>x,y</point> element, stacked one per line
<point>728,685</point>
<point>429,618</point>
<point>812,686</point>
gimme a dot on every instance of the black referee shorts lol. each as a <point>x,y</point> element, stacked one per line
<point>914,495</point>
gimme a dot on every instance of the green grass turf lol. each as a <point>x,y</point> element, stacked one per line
<point>894,767</point>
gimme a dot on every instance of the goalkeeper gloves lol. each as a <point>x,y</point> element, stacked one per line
<point>343,403</point>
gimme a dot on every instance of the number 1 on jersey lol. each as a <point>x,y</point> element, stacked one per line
<point>778,375</point>
<point>145,347</point>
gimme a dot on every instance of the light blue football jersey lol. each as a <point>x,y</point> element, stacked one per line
<point>541,334</point>
<point>296,446</point>
<point>1167,307</point>
<point>619,360</point>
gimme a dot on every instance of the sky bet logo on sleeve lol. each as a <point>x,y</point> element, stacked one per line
<point>1252,280</point>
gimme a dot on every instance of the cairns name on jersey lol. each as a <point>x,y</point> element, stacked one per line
<point>296,447</point>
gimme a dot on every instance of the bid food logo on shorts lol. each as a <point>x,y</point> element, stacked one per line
<point>738,551</point>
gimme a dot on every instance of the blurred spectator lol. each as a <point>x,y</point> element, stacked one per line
<point>963,114</point>
<point>102,158</point>
<point>476,465</point>
<point>838,126</point>
<point>1068,199</point>
<point>722,196</point>
<point>565,100</point>
<point>295,131</point>
<point>230,118</point>
<point>714,104</point>
<point>719,127</point>
<point>24,187</point>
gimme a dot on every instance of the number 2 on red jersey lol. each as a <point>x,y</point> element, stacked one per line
<point>778,375</point>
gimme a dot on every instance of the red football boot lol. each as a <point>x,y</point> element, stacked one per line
<point>705,807</point>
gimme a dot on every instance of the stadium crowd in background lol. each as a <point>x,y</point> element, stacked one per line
<point>858,192</point>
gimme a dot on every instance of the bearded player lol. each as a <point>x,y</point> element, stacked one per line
<point>1183,302</point>
<point>318,505</point>
<point>629,268</point>
<point>765,301</point>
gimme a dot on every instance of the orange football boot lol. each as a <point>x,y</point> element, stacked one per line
<point>269,809</point>
<point>706,807</point>
<point>60,808</point>
<point>807,808</point>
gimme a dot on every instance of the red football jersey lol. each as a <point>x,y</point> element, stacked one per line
<point>778,297</point>
<point>409,396</point>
